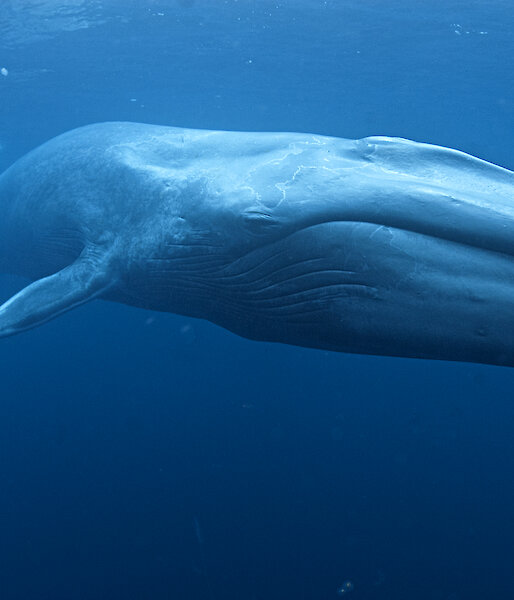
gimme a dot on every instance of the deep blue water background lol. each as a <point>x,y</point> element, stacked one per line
<point>150,456</point>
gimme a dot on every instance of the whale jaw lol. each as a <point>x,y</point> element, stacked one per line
<point>350,287</point>
<point>368,289</point>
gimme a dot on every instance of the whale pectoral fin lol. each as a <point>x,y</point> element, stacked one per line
<point>51,296</point>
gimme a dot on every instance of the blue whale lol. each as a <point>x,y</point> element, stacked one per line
<point>376,246</point>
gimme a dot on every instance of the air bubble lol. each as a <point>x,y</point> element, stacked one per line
<point>345,588</point>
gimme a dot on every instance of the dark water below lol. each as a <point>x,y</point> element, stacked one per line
<point>147,456</point>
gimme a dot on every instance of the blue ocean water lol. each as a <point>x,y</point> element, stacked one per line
<point>149,456</point>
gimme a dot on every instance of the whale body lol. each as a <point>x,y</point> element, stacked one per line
<point>377,246</point>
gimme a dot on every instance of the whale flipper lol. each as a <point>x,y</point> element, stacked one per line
<point>50,296</point>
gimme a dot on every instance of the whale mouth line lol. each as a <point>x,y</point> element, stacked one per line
<point>452,234</point>
<point>452,237</point>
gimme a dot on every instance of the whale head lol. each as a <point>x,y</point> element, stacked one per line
<point>376,246</point>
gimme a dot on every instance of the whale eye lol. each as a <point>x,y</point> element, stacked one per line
<point>259,222</point>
